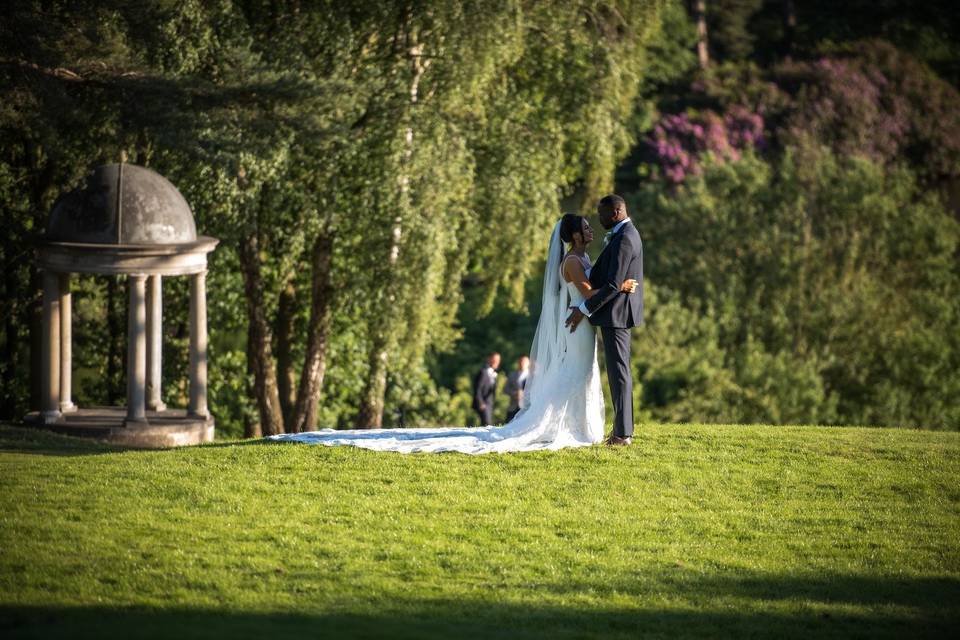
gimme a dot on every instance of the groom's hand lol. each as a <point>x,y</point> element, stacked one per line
<point>574,319</point>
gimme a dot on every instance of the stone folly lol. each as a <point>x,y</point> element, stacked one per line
<point>127,220</point>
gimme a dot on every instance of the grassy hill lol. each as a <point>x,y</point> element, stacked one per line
<point>694,531</point>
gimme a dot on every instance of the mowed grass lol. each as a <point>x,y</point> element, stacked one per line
<point>695,530</point>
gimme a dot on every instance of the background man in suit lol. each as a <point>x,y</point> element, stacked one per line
<point>516,381</point>
<point>484,389</point>
<point>614,311</point>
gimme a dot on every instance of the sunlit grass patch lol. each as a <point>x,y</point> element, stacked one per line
<point>695,530</point>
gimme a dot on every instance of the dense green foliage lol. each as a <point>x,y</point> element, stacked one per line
<point>694,531</point>
<point>824,290</point>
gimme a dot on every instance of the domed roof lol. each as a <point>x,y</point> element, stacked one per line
<point>122,204</point>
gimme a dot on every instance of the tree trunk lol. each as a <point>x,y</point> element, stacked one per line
<point>35,335</point>
<point>251,427</point>
<point>315,359</point>
<point>286,313</point>
<point>43,169</point>
<point>259,351</point>
<point>11,291</point>
<point>371,405</point>
<point>789,27</point>
<point>700,15</point>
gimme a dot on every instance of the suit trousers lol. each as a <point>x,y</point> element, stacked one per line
<point>486,416</point>
<point>616,350</point>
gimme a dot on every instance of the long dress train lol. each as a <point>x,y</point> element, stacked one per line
<point>562,404</point>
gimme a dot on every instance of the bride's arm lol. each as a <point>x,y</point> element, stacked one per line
<point>574,272</point>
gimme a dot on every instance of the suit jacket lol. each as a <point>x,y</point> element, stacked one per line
<point>620,260</point>
<point>516,381</point>
<point>484,388</point>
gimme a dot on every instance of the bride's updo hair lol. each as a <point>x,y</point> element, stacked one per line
<point>570,223</point>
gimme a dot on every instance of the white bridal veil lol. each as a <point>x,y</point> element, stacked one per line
<point>549,340</point>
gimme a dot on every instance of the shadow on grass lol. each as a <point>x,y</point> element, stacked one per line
<point>773,606</point>
<point>219,444</point>
<point>39,441</point>
<point>930,594</point>
<point>47,443</point>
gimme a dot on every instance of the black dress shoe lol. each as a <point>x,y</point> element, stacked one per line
<point>618,441</point>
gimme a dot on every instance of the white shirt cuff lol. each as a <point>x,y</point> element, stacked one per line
<point>583,308</point>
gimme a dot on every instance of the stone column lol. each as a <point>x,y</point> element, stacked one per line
<point>136,351</point>
<point>66,345</point>
<point>198,345</point>
<point>154,343</point>
<point>50,349</point>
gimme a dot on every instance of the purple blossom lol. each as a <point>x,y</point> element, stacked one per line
<point>856,107</point>
<point>679,140</point>
<point>872,101</point>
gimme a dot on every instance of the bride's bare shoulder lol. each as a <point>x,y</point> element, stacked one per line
<point>571,267</point>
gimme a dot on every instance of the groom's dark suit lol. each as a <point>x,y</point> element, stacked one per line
<point>615,312</point>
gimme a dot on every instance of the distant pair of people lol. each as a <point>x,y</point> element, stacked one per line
<point>485,388</point>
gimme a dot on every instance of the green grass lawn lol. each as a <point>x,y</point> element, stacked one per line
<point>693,531</point>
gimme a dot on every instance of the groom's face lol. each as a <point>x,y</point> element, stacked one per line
<point>606,215</point>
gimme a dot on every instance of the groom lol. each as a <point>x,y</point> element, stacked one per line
<point>616,312</point>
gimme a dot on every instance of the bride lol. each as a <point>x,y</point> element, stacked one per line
<point>562,401</point>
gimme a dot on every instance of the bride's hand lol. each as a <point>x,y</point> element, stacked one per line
<point>629,286</point>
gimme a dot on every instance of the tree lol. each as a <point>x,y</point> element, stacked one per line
<point>830,285</point>
<point>730,34</point>
<point>353,158</point>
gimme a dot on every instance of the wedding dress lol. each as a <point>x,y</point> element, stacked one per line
<point>562,402</point>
